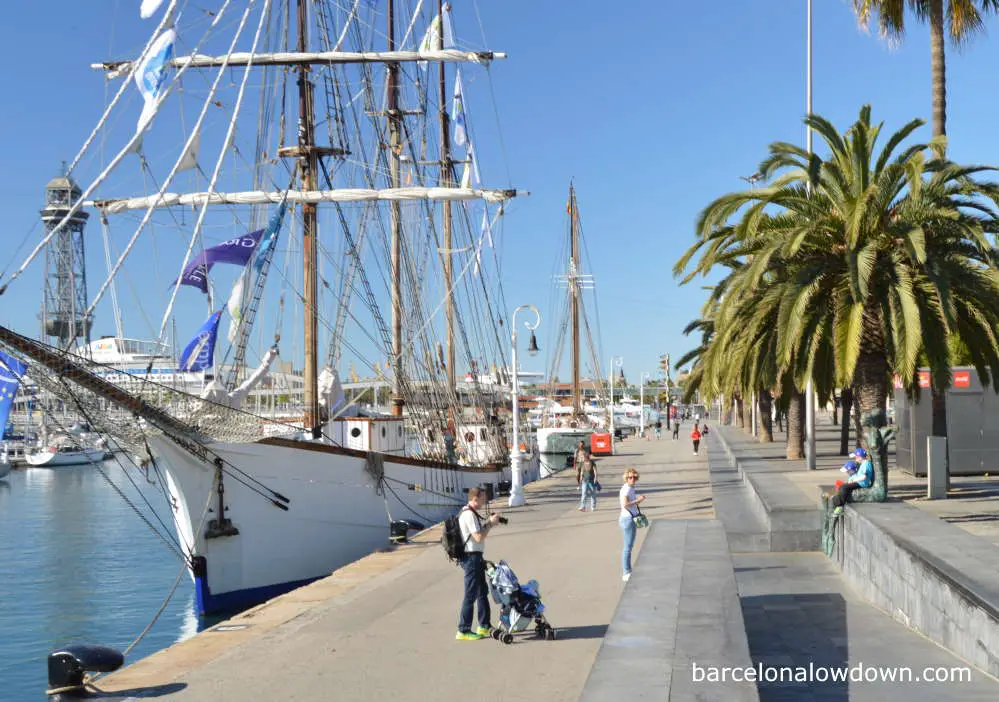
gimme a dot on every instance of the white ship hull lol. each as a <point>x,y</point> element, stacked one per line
<point>336,512</point>
<point>557,443</point>
<point>59,459</point>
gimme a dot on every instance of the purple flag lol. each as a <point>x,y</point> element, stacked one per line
<point>237,251</point>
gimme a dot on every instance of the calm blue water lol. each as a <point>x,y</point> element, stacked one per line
<point>78,566</point>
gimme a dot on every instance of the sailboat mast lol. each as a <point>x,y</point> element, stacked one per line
<point>574,292</point>
<point>395,129</point>
<point>307,169</point>
<point>446,182</point>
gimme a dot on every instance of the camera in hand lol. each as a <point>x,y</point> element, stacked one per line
<point>503,520</point>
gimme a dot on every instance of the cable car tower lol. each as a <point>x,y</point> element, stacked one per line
<point>65,302</point>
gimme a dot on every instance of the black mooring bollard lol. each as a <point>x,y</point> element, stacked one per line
<point>69,665</point>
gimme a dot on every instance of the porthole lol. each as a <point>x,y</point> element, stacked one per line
<point>355,432</point>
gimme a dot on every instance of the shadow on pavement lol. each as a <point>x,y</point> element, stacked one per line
<point>592,631</point>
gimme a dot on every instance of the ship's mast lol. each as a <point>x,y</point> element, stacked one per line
<point>446,182</point>
<point>307,169</point>
<point>574,297</point>
<point>395,129</point>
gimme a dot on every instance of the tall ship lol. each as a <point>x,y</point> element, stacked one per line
<point>561,431</point>
<point>314,165</point>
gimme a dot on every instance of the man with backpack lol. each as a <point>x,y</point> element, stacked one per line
<point>473,531</point>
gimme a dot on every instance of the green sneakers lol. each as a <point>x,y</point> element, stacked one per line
<point>838,511</point>
<point>467,636</point>
<point>483,631</point>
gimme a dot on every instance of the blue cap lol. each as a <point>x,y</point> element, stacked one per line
<point>859,453</point>
<point>850,466</point>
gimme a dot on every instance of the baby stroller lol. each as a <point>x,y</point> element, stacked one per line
<point>519,604</point>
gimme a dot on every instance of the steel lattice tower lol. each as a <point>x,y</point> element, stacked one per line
<point>65,305</point>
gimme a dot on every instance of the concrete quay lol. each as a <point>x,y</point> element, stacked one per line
<point>383,627</point>
<point>707,589</point>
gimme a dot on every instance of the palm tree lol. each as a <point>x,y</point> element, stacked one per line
<point>962,18</point>
<point>870,259</point>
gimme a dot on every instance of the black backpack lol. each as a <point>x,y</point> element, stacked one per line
<point>451,541</point>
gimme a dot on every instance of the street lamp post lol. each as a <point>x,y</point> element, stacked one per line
<point>641,403</point>
<point>615,361</point>
<point>516,478</point>
<point>809,385</point>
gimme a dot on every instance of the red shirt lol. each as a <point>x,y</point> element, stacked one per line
<point>695,435</point>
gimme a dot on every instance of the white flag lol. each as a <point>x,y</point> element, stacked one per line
<point>470,176</point>
<point>149,7</point>
<point>151,74</point>
<point>430,40</point>
<point>449,42</point>
<point>458,110</point>
<point>235,306</point>
<point>190,158</point>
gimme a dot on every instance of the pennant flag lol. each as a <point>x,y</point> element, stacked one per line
<point>151,75</point>
<point>235,307</point>
<point>149,7</point>
<point>200,353</point>
<point>237,251</point>
<point>470,176</point>
<point>458,110</point>
<point>430,40</point>
<point>270,235</point>
<point>11,371</point>
<point>190,158</point>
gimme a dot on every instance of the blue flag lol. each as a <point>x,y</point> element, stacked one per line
<point>11,371</point>
<point>270,235</point>
<point>200,353</point>
<point>237,251</point>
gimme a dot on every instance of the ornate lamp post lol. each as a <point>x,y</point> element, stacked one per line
<point>516,478</point>
<point>641,403</point>
<point>616,361</point>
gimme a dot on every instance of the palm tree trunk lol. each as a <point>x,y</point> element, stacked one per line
<point>745,416</point>
<point>740,416</point>
<point>796,427</point>
<point>939,402</point>
<point>764,405</point>
<point>939,67</point>
<point>835,404</point>
<point>870,383</point>
<point>846,400</point>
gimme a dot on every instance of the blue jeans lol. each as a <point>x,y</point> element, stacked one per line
<point>628,531</point>
<point>476,592</point>
<point>589,491</point>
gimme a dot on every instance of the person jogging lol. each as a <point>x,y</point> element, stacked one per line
<point>695,436</point>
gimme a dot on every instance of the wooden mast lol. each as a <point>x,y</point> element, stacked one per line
<point>307,169</point>
<point>395,128</point>
<point>446,182</point>
<point>574,296</point>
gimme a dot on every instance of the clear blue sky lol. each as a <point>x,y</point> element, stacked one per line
<point>653,109</point>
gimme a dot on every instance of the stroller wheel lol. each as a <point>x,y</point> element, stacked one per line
<point>495,633</point>
<point>507,638</point>
<point>550,634</point>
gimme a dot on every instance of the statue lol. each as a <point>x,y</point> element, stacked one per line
<point>876,436</point>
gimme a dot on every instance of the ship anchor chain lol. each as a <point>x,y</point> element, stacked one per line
<point>220,526</point>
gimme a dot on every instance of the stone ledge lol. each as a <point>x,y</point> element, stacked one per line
<point>680,607</point>
<point>943,586</point>
<point>791,518</point>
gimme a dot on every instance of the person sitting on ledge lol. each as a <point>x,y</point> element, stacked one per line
<point>861,477</point>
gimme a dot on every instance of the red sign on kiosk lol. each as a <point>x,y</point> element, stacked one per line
<point>962,379</point>
<point>600,444</point>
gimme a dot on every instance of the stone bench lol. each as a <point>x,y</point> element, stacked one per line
<point>789,515</point>
<point>680,607</point>
<point>928,574</point>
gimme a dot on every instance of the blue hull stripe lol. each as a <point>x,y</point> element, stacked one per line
<point>238,600</point>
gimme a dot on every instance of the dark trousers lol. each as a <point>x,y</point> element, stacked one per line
<point>697,445</point>
<point>476,592</point>
<point>842,495</point>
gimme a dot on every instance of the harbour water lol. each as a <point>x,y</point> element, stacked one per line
<point>78,565</point>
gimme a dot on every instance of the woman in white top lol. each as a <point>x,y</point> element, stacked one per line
<point>629,510</point>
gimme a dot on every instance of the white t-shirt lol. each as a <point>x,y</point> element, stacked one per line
<point>470,525</point>
<point>628,495</point>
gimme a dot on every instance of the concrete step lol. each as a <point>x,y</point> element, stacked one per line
<point>745,530</point>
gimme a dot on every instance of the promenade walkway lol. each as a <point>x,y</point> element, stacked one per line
<point>383,628</point>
